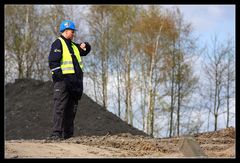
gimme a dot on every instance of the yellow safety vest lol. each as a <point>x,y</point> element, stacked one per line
<point>66,61</point>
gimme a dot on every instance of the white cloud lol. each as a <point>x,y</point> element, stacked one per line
<point>208,20</point>
<point>207,17</point>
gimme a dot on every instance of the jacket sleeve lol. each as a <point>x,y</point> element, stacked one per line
<point>82,52</point>
<point>54,59</point>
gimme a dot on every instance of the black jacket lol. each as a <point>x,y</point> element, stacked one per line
<point>55,57</point>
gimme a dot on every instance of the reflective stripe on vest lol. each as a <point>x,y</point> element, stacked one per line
<point>66,61</point>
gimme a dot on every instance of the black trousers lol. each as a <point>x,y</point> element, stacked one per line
<point>65,108</point>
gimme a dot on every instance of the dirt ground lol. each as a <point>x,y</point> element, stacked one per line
<point>220,144</point>
<point>98,133</point>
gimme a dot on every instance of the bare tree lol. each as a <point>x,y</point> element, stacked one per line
<point>124,16</point>
<point>185,80</point>
<point>229,77</point>
<point>22,28</point>
<point>149,42</point>
<point>100,23</point>
<point>215,68</point>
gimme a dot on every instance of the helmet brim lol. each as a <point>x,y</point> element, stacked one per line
<point>68,29</point>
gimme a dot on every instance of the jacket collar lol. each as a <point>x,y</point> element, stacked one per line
<point>68,41</point>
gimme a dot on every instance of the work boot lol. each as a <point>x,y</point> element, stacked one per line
<point>55,137</point>
<point>67,136</point>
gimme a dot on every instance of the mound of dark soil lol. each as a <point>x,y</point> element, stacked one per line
<point>29,112</point>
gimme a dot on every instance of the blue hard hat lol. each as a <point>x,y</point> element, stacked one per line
<point>67,24</point>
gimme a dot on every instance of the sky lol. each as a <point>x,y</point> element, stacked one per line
<point>208,20</point>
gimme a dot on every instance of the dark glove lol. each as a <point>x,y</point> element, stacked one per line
<point>57,75</point>
<point>88,46</point>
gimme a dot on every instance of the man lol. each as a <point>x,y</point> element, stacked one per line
<point>67,74</point>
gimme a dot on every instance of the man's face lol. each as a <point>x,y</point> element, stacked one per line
<point>70,34</point>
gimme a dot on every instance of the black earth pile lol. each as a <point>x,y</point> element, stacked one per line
<point>29,111</point>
